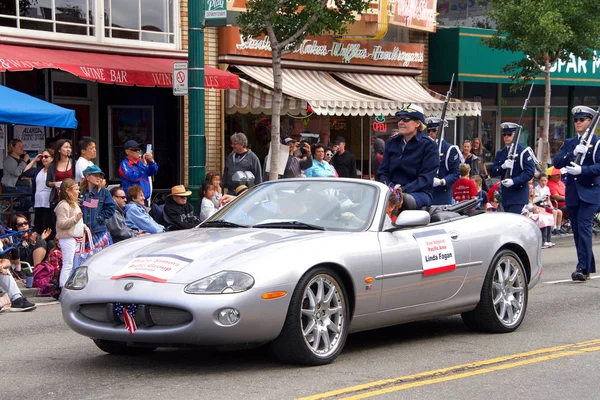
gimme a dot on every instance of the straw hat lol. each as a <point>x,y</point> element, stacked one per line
<point>179,190</point>
<point>240,189</point>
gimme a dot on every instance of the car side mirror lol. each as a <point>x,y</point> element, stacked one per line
<point>411,218</point>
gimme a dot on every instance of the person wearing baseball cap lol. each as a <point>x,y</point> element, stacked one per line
<point>410,159</point>
<point>178,213</point>
<point>450,160</point>
<point>97,206</point>
<point>582,195</point>
<point>136,169</point>
<point>515,189</point>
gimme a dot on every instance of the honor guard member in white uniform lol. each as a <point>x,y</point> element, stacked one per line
<point>582,194</point>
<point>450,159</point>
<point>515,190</point>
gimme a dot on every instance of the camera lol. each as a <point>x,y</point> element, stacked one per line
<point>301,146</point>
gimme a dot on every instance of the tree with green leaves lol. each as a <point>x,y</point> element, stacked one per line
<point>287,24</point>
<point>546,31</point>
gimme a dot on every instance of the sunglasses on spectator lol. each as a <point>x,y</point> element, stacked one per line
<point>20,224</point>
<point>329,154</point>
<point>579,119</point>
<point>46,156</point>
<point>121,197</point>
<point>136,150</point>
<point>405,119</point>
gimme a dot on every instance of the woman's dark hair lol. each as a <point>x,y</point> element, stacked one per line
<point>57,147</point>
<point>317,146</point>
<point>13,220</point>
<point>12,144</point>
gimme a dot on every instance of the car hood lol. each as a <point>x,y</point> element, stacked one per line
<point>209,250</point>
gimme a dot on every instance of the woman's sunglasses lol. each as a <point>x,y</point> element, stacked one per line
<point>579,119</point>
<point>405,119</point>
<point>20,224</point>
<point>329,154</point>
<point>46,156</point>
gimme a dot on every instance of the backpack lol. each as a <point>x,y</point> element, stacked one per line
<point>44,278</point>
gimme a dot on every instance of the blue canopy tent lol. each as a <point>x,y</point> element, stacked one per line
<point>21,109</point>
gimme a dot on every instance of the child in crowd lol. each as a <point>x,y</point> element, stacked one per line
<point>483,199</point>
<point>492,206</point>
<point>215,179</point>
<point>541,217</point>
<point>464,188</point>
<point>207,206</point>
<point>542,196</point>
<point>68,216</point>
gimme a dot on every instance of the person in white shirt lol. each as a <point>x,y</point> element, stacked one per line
<point>542,195</point>
<point>87,149</point>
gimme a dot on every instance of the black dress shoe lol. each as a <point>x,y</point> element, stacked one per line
<point>578,276</point>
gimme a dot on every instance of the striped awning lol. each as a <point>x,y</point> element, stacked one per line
<point>325,95</point>
<point>255,99</point>
<point>405,89</point>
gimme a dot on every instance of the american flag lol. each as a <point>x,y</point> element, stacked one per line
<point>128,313</point>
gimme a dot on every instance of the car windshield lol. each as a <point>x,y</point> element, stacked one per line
<point>303,204</point>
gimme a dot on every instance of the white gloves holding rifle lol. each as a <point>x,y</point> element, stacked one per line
<point>574,169</point>
<point>508,183</point>
<point>438,182</point>
<point>508,164</point>
<point>579,149</point>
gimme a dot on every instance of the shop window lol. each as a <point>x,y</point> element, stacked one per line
<point>586,95</point>
<point>61,16</point>
<point>560,95</point>
<point>70,89</point>
<point>129,20</point>
<point>558,129</point>
<point>128,122</point>
<point>485,93</point>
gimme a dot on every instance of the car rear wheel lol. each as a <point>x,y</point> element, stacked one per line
<point>504,296</point>
<point>316,325</point>
<point>121,349</point>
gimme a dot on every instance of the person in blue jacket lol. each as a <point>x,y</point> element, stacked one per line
<point>97,205</point>
<point>410,159</point>
<point>514,190</point>
<point>582,196</point>
<point>450,160</point>
<point>136,169</point>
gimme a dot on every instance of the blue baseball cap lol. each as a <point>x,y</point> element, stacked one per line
<point>92,169</point>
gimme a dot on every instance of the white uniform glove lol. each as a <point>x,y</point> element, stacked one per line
<point>579,149</point>
<point>437,182</point>
<point>508,164</point>
<point>508,182</point>
<point>574,169</point>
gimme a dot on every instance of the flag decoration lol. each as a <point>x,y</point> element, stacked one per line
<point>128,313</point>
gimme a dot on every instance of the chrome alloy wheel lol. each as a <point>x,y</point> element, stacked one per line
<point>322,317</point>
<point>508,291</point>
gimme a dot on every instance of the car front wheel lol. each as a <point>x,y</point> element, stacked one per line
<point>316,325</point>
<point>504,296</point>
<point>122,349</point>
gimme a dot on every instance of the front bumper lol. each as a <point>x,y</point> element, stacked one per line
<point>168,316</point>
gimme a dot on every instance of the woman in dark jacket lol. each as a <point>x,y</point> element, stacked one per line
<point>62,167</point>
<point>97,206</point>
<point>44,214</point>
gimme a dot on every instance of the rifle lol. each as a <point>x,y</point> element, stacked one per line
<point>585,138</point>
<point>515,143</point>
<point>440,135</point>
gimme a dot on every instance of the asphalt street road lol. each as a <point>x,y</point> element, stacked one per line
<point>553,355</point>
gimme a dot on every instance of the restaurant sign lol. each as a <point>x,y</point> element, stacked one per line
<point>326,49</point>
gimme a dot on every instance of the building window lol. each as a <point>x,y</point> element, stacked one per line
<point>127,19</point>
<point>61,16</point>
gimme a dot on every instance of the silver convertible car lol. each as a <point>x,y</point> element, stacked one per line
<point>298,264</point>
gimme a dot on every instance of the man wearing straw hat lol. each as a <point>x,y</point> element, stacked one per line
<point>178,212</point>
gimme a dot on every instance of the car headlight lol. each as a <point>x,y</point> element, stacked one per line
<point>221,282</point>
<point>78,280</point>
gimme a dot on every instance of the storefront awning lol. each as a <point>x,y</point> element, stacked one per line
<point>106,68</point>
<point>325,95</point>
<point>406,89</point>
<point>255,99</point>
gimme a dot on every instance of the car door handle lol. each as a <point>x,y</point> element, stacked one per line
<point>454,235</point>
